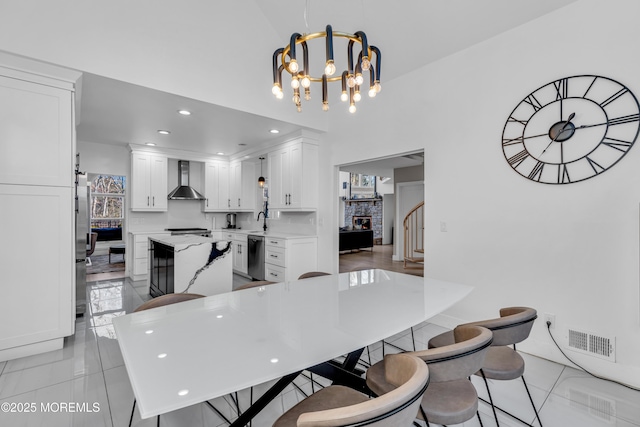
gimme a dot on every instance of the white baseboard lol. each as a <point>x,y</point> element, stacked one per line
<point>31,349</point>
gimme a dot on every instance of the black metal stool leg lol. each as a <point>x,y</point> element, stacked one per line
<point>424,416</point>
<point>132,411</point>
<point>413,339</point>
<point>479,419</point>
<point>493,407</point>
<point>531,399</point>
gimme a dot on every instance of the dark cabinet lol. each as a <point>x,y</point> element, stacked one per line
<point>161,270</point>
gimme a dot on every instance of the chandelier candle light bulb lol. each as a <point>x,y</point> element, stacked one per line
<point>285,59</point>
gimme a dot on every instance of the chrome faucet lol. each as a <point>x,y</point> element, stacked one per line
<point>264,216</point>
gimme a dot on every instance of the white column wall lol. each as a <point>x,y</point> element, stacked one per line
<point>571,250</point>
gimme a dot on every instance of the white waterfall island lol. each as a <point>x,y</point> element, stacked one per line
<point>187,263</point>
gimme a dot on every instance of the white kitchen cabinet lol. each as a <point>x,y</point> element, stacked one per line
<point>37,142</point>
<point>37,223</point>
<point>287,258</point>
<point>36,134</point>
<point>139,242</point>
<point>149,174</point>
<point>293,177</point>
<point>242,186</point>
<point>239,245</point>
<point>240,255</point>
<point>216,187</point>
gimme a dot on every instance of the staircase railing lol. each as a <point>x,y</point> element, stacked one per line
<point>414,236</point>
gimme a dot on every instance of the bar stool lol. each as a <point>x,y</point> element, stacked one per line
<point>502,362</point>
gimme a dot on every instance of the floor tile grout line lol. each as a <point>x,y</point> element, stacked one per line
<point>104,378</point>
<point>48,385</point>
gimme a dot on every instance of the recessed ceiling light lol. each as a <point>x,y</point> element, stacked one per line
<point>162,355</point>
<point>274,131</point>
<point>184,112</point>
<point>164,132</point>
<point>183,392</point>
<point>220,153</point>
<point>150,144</point>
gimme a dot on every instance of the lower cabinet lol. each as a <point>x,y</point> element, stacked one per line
<point>286,259</point>
<point>140,254</point>
<point>239,243</point>
<point>37,308</point>
<point>240,254</point>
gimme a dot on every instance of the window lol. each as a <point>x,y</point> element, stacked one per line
<point>107,206</point>
<point>363,186</point>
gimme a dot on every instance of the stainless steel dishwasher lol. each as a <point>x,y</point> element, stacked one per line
<point>256,257</point>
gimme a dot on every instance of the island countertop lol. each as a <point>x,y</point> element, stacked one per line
<point>189,263</point>
<point>181,241</point>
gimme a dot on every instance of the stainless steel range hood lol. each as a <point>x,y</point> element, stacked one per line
<point>184,191</point>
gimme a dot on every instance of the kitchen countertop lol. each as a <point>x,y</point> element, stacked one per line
<point>268,233</point>
<point>183,240</point>
<point>149,232</point>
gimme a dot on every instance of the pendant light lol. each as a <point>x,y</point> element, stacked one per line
<point>261,179</point>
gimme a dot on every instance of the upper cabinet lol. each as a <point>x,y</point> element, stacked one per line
<point>216,187</point>
<point>36,134</point>
<point>229,187</point>
<point>242,186</point>
<point>148,182</point>
<point>293,177</point>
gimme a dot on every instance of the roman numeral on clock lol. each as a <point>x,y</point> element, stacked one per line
<point>624,119</point>
<point>613,97</point>
<point>517,159</point>
<point>512,141</point>
<point>533,101</point>
<point>597,168</point>
<point>514,120</point>
<point>536,172</point>
<point>562,88</point>
<point>617,144</point>
<point>563,174</point>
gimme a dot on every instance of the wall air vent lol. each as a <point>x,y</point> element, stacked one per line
<point>594,345</point>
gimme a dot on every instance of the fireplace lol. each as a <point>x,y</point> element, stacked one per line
<point>361,222</point>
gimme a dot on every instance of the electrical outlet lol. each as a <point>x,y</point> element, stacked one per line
<point>551,318</point>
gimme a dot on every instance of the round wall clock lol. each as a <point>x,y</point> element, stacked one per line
<point>571,129</point>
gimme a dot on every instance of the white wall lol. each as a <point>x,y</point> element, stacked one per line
<point>571,250</point>
<point>161,44</point>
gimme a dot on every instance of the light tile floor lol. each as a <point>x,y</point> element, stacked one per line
<point>89,370</point>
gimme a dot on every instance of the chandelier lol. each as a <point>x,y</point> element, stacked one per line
<point>352,78</point>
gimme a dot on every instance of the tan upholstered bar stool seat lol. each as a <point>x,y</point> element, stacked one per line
<point>327,398</point>
<point>337,405</point>
<point>450,398</point>
<point>502,362</point>
<point>255,284</point>
<point>166,300</point>
<point>310,274</point>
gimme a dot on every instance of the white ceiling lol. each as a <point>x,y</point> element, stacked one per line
<point>385,167</point>
<point>410,34</point>
<point>115,112</point>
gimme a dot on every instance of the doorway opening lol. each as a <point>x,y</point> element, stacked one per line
<point>373,196</point>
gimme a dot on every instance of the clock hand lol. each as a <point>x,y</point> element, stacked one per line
<point>590,126</point>
<point>571,116</point>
